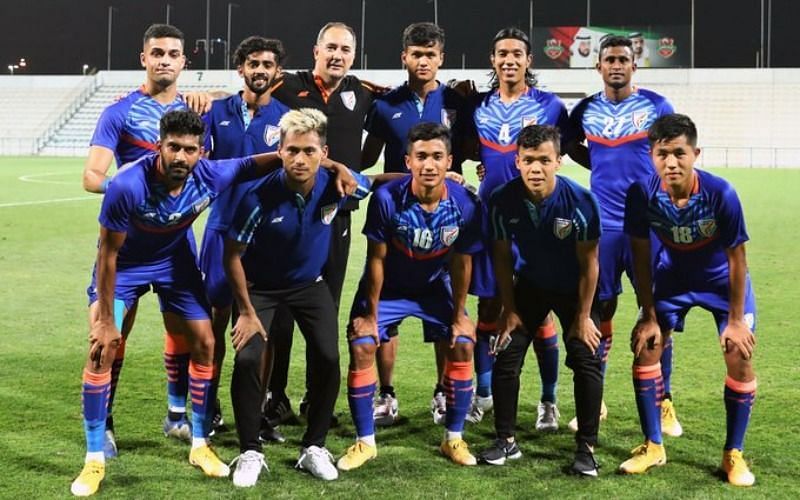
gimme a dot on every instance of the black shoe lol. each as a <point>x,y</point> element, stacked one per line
<point>270,433</point>
<point>217,422</point>
<point>304,405</point>
<point>278,411</point>
<point>584,464</point>
<point>500,451</point>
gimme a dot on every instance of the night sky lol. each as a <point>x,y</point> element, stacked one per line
<point>60,36</point>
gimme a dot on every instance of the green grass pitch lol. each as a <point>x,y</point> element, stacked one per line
<point>48,230</point>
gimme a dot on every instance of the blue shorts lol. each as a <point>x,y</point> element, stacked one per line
<point>177,283</point>
<point>216,283</point>
<point>671,307</point>
<point>435,309</point>
<point>615,258</point>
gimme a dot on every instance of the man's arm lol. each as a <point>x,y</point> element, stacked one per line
<point>103,333</point>
<point>373,145</point>
<point>579,153</point>
<point>737,332</point>
<point>96,168</point>
<point>461,274</point>
<point>589,269</point>
<point>367,325</point>
<point>247,324</point>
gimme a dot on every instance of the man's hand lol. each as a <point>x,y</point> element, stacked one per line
<point>464,88</point>
<point>346,183</point>
<point>738,335</point>
<point>586,331</point>
<point>103,336</point>
<point>646,333</point>
<point>199,102</point>
<point>363,326</point>
<point>480,169</point>
<point>462,327</point>
<point>455,177</point>
<point>246,326</point>
<point>508,323</point>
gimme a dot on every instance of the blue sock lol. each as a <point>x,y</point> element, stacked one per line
<point>361,385</point>
<point>96,389</point>
<point>200,377</point>
<point>739,399</point>
<point>545,345</point>
<point>666,365</point>
<point>458,385</point>
<point>483,364</point>
<point>176,364</point>
<point>649,390</point>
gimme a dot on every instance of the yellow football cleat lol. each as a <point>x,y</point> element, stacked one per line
<point>89,479</point>
<point>205,458</point>
<point>357,455</point>
<point>736,469</point>
<point>644,457</point>
<point>669,419</point>
<point>458,451</point>
<point>573,424</point>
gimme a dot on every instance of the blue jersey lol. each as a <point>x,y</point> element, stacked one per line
<point>546,233</point>
<point>155,221</point>
<point>393,114</point>
<point>694,237</point>
<point>619,151</point>
<point>230,138</point>
<point>498,124</point>
<point>130,126</point>
<point>288,235</point>
<point>419,241</point>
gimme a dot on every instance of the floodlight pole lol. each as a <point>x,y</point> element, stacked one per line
<point>228,44</point>
<point>363,28</point>
<point>108,45</point>
<point>691,43</point>
<point>169,9</point>
<point>436,12</point>
<point>208,31</point>
<point>530,21</point>
<point>588,13</point>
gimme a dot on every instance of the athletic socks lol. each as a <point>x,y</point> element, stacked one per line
<point>361,385</point>
<point>666,367</point>
<point>458,386</point>
<point>483,360</point>
<point>607,330</point>
<point>94,396</point>
<point>176,364</point>
<point>649,388</point>
<point>200,377</point>
<point>116,368</point>
<point>739,399</point>
<point>545,345</point>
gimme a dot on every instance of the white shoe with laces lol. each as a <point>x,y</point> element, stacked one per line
<point>248,468</point>
<point>386,410</point>
<point>547,417</point>
<point>319,462</point>
<point>439,408</point>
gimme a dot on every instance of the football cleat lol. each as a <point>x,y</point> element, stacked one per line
<point>669,419</point>
<point>109,445</point>
<point>547,417</point>
<point>208,461</point>
<point>500,451</point>
<point>248,468</point>
<point>644,457</point>
<point>457,451</point>
<point>88,481</point>
<point>735,468</point>
<point>357,455</point>
<point>386,410</point>
<point>319,462</point>
<point>573,424</point>
<point>439,408</point>
<point>178,429</point>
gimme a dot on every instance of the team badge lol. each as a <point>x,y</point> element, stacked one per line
<point>449,235</point>
<point>529,120</point>
<point>448,117</point>
<point>562,228</point>
<point>666,47</point>
<point>272,135</point>
<point>201,205</point>
<point>553,48</point>
<point>639,119</point>
<point>349,99</point>
<point>707,227</point>
<point>328,212</point>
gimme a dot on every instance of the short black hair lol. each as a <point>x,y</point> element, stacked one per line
<point>672,126</point>
<point>614,41</point>
<point>162,31</point>
<point>429,131</point>
<point>423,35</point>
<point>513,34</point>
<point>534,136</point>
<point>254,44</point>
<point>181,122</point>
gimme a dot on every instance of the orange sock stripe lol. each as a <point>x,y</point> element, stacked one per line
<point>739,386</point>
<point>647,372</point>
<point>546,331</point>
<point>458,370</point>
<point>120,350</point>
<point>96,378</point>
<point>175,343</point>
<point>487,326</point>
<point>362,378</point>
<point>201,372</point>
<point>607,328</point>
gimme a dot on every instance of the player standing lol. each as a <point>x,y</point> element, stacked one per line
<point>698,218</point>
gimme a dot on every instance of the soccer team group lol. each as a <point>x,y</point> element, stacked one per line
<point>278,165</point>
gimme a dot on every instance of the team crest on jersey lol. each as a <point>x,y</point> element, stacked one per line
<point>272,135</point>
<point>448,117</point>
<point>639,118</point>
<point>349,99</point>
<point>328,212</point>
<point>529,120</point>
<point>449,235</point>
<point>562,228</point>
<point>201,205</point>
<point>666,47</point>
<point>707,227</point>
<point>553,48</point>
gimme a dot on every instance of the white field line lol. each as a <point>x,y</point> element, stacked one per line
<point>35,178</point>
<point>45,202</point>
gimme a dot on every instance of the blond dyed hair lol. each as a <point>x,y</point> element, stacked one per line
<point>302,121</point>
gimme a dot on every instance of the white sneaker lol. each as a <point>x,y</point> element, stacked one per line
<point>480,405</point>
<point>319,462</point>
<point>547,417</point>
<point>248,468</point>
<point>439,408</point>
<point>386,410</point>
